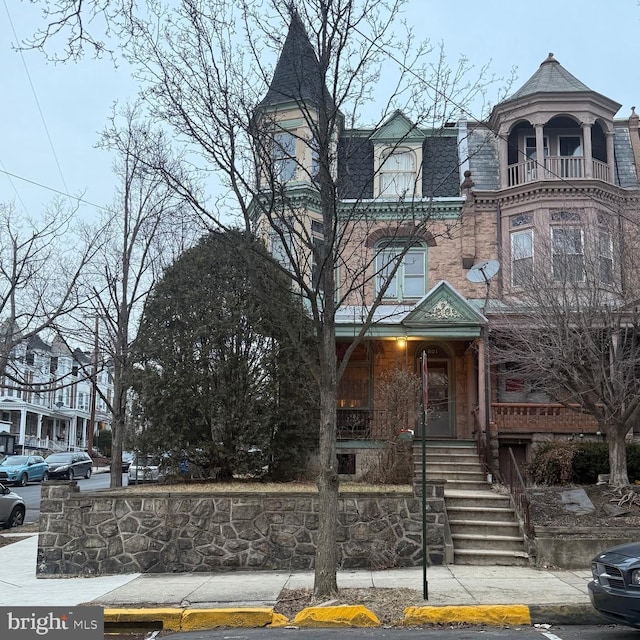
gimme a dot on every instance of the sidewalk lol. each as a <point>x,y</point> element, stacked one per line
<point>552,597</point>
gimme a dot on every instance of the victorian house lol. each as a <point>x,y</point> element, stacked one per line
<point>551,155</point>
<point>49,400</point>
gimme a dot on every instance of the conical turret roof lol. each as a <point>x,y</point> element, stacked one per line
<point>551,77</point>
<point>297,75</point>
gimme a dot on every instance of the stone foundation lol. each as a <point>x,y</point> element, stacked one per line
<point>124,531</point>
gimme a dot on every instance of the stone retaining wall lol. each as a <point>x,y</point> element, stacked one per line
<point>124,531</point>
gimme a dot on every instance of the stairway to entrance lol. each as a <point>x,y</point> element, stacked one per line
<point>484,527</point>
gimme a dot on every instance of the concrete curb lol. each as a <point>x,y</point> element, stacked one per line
<point>189,619</point>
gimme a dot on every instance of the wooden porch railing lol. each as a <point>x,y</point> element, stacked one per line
<point>516,417</point>
<point>518,490</point>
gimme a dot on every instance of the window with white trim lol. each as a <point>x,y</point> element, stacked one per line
<point>567,248</point>
<point>284,156</point>
<point>398,173</point>
<point>409,280</point>
<point>605,256</point>
<point>521,257</point>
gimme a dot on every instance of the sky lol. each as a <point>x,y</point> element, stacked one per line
<point>51,115</point>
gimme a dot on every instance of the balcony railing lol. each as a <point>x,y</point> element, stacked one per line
<point>540,418</point>
<point>556,168</point>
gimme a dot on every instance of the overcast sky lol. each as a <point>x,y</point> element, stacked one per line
<point>50,115</point>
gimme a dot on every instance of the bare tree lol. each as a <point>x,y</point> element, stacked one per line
<point>571,329</point>
<point>144,230</point>
<point>202,64</point>
<point>41,262</point>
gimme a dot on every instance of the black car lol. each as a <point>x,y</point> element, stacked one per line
<point>615,588</point>
<point>69,465</point>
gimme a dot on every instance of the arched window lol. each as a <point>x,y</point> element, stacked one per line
<point>398,173</point>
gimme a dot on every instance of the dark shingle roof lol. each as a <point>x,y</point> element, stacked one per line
<point>551,77</point>
<point>440,170</point>
<point>355,168</point>
<point>297,74</point>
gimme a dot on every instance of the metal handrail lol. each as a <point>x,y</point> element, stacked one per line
<point>519,494</point>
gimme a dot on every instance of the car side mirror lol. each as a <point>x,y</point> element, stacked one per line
<point>5,490</point>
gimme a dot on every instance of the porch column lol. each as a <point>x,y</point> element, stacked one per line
<point>23,426</point>
<point>540,170</point>
<point>482,384</point>
<point>503,158</point>
<point>610,156</point>
<point>588,155</point>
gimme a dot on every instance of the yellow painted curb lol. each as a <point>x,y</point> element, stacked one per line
<point>500,615</point>
<point>194,619</point>
<point>170,618</point>
<point>341,616</point>
<point>278,620</point>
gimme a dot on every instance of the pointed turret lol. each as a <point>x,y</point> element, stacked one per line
<point>297,75</point>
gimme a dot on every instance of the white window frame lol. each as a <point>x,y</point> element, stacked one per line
<point>405,284</point>
<point>284,156</point>
<point>518,261</point>
<point>605,256</point>
<point>398,172</point>
<point>566,255</point>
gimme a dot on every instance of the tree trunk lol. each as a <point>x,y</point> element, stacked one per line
<point>618,476</point>
<point>325,584</point>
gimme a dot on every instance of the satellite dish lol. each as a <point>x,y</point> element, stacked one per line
<point>483,271</point>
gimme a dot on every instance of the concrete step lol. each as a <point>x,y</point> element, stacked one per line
<point>478,499</point>
<point>486,557</point>
<point>446,454</point>
<point>448,465</point>
<point>487,513</point>
<point>490,528</point>
<point>465,485</point>
<point>455,474</point>
<point>486,542</point>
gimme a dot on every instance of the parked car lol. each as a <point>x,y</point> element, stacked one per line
<point>23,469</point>
<point>12,508</point>
<point>69,465</point>
<point>145,469</point>
<point>615,588</point>
<point>127,459</point>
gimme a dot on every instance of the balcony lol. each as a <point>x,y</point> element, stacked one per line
<point>512,417</point>
<point>556,168</point>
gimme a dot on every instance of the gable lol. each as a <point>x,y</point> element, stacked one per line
<point>398,128</point>
<point>443,305</point>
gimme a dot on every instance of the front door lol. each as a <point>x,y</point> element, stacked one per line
<point>439,422</point>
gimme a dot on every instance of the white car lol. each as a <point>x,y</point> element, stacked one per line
<point>144,469</point>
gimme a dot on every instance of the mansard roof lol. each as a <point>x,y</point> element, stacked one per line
<point>297,75</point>
<point>551,77</point>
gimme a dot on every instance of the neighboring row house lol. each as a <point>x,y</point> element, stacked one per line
<point>52,411</point>
<point>551,157</point>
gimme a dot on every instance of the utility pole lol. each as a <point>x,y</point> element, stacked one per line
<point>94,391</point>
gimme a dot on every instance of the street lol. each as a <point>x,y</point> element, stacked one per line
<point>605,632</point>
<point>31,493</point>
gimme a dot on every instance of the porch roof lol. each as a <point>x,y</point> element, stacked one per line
<point>443,313</point>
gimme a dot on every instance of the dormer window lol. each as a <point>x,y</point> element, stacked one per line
<point>284,156</point>
<point>398,173</point>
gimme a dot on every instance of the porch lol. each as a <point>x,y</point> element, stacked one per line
<point>512,417</point>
